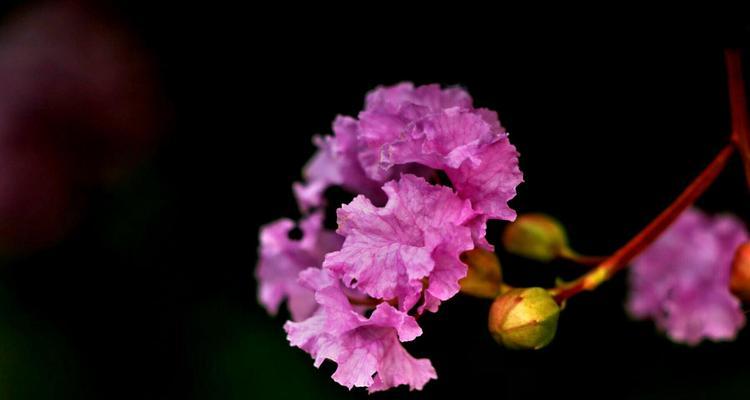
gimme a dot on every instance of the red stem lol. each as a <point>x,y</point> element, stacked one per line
<point>740,139</point>
<point>651,232</point>
<point>738,107</point>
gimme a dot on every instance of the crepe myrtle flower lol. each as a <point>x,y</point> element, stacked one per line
<point>682,280</point>
<point>402,257</point>
<point>428,171</point>
<point>353,295</point>
<point>418,130</point>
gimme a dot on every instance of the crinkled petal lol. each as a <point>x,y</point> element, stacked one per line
<point>310,195</point>
<point>406,326</point>
<point>405,125</point>
<point>491,183</point>
<point>281,259</point>
<point>306,334</point>
<point>444,139</point>
<point>336,163</point>
<point>388,114</point>
<point>394,98</point>
<point>397,367</point>
<point>388,251</point>
<point>711,314</point>
<point>443,282</point>
<point>356,367</point>
<point>378,129</point>
<point>367,351</point>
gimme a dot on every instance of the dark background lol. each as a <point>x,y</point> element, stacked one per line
<point>153,295</point>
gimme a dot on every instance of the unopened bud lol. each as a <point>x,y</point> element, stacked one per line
<point>484,275</point>
<point>524,318</point>
<point>739,281</point>
<point>536,236</point>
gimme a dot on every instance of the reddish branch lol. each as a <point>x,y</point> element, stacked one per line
<point>738,107</point>
<point>740,139</point>
<point>651,232</point>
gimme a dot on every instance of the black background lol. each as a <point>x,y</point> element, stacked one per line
<point>153,295</point>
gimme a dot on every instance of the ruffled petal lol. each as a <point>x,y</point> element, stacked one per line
<point>367,351</point>
<point>711,314</point>
<point>281,259</point>
<point>397,367</point>
<point>388,251</point>
<point>491,183</point>
<point>390,112</point>
<point>444,139</point>
<point>394,98</point>
<point>336,163</point>
<point>440,129</point>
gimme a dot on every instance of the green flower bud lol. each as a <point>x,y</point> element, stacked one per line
<point>524,318</point>
<point>536,236</point>
<point>484,276</point>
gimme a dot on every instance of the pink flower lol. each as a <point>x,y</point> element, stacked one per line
<point>413,241</point>
<point>402,125</point>
<point>282,258</point>
<point>682,280</point>
<point>403,235</point>
<point>79,105</point>
<point>419,130</point>
<point>336,163</point>
<point>78,78</point>
<point>368,350</point>
<point>389,111</point>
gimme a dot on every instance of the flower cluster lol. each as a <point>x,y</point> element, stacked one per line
<point>354,294</point>
<point>682,280</point>
<point>428,171</point>
<point>419,130</point>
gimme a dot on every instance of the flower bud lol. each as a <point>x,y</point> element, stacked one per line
<point>524,318</point>
<point>536,236</point>
<point>484,275</point>
<point>739,281</point>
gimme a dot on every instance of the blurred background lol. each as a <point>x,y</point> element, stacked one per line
<point>142,146</point>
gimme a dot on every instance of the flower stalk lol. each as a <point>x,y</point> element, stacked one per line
<point>738,107</point>
<point>649,234</point>
<point>740,139</point>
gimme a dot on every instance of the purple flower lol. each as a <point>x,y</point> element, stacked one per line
<point>388,114</point>
<point>419,130</point>
<point>79,105</point>
<point>368,350</point>
<point>440,129</point>
<point>403,235</point>
<point>336,163</point>
<point>282,259</point>
<point>682,280</point>
<point>414,241</point>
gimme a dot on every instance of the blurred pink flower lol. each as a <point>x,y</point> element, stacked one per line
<point>78,106</point>
<point>682,280</point>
